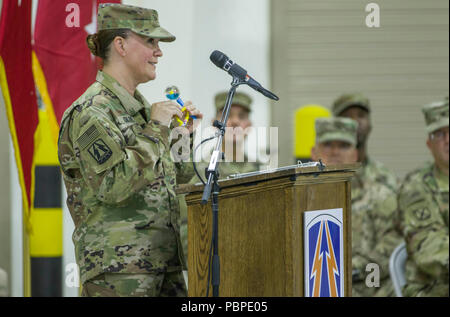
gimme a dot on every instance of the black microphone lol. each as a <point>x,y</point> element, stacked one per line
<point>223,62</point>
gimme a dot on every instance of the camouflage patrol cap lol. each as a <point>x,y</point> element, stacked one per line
<point>336,129</point>
<point>350,100</point>
<point>139,20</point>
<point>239,98</point>
<point>436,115</point>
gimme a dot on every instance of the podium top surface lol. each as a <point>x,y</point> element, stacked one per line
<point>265,175</point>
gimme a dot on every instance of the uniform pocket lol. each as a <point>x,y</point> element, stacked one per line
<point>98,287</point>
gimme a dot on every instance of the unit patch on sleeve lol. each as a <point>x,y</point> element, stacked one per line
<point>100,151</point>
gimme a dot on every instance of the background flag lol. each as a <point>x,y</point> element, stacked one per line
<point>18,88</point>
<point>16,80</point>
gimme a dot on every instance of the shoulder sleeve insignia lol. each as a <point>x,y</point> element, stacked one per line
<point>100,151</point>
<point>422,213</point>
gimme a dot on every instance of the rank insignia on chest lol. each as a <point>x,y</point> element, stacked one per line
<point>100,151</point>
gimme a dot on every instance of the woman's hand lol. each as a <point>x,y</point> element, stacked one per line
<point>192,123</point>
<point>164,111</point>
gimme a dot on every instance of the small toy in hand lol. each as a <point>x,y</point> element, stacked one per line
<point>173,93</point>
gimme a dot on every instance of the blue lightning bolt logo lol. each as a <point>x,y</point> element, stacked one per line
<point>331,267</point>
<point>317,265</point>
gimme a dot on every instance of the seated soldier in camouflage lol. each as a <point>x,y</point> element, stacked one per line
<point>373,234</point>
<point>114,152</point>
<point>423,212</point>
<point>357,107</point>
<point>233,146</point>
<point>238,124</point>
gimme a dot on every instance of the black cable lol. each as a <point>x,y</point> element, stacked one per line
<point>193,161</point>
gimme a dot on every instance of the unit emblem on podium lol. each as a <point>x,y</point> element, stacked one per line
<point>324,253</point>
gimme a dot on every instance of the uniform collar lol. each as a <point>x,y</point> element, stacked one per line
<point>360,177</point>
<point>366,162</point>
<point>361,172</point>
<point>441,178</point>
<point>131,104</point>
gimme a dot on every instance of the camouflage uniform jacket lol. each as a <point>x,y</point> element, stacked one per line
<point>423,213</point>
<point>375,171</point>
<point>120,181</point>
<point>374,205</point>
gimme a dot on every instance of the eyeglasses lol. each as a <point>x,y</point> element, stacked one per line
<point>439,135</point>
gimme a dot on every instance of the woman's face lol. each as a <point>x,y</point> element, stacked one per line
<point>142,57</point>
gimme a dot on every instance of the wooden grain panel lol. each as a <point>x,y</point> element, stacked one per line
<point>322,196</point>
<point>250,245</point>
<point>261,231</point>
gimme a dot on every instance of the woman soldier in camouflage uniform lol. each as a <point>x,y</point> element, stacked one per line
<point>114,150</point>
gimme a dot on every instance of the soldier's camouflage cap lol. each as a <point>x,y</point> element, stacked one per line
<point>140,20</point>
<point>350,100</point>
<point>436,115</point>
<point>336,129</point>
<point>240,98</point>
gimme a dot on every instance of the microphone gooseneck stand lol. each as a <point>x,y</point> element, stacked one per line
<point>212,176</point>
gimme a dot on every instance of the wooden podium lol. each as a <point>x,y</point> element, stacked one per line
<point>261,229</point>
